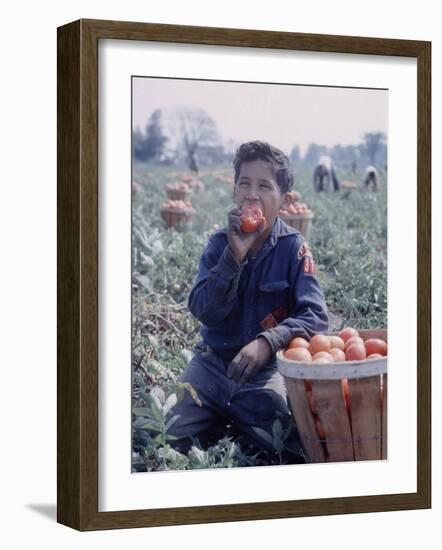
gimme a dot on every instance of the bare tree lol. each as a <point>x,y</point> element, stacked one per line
<point>196,128</point>
<point>372,143</point>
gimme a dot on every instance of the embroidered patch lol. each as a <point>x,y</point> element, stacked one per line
<point>280,313</point>
<point>309,265</point>
<point>269,322</point>
<point>275,317</point>
<point>304,250</point>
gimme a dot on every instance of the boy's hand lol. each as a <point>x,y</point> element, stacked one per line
<point>239,242</point>
<point>250,360</point>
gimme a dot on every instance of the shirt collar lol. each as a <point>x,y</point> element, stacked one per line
<point>280,229</point>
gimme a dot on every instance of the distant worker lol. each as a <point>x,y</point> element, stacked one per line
<point>371,177</point>
<point>322,174</point>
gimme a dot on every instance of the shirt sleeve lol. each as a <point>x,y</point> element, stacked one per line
<point>214,293</point>
<point>308,311</point>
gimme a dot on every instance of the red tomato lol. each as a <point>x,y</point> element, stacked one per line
<point>251,219</point>
<point>298,342</point>
<point>322,359</point>
<point>337,354</point>
<point>355,352</point>
<point>292,197</point>
<point>324,355</point>
<point>319,342</point>
<point>376,345</point>
<point>336,342</point>
<point>348,332</point>
<point>353,340</point>
<point>298,354</point>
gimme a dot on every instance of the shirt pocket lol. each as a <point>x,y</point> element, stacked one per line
<point>273,302</point>
<point>274,286</point>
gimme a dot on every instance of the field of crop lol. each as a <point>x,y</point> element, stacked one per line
<point>349,243</point>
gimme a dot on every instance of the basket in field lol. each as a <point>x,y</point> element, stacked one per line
<point>178,194</point>
<point>177,218</point>
<point>331,428</point>
<point>301,222</point>
<point>178,191</point>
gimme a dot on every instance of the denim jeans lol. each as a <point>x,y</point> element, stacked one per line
<point>256,403</point>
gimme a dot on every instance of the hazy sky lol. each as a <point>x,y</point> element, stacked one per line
<point>283,115</point>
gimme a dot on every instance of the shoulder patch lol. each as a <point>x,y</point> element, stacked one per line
<point>304,250</point>
<point>309,263</point>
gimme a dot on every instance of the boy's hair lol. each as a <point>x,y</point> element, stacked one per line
<point>260,150</point>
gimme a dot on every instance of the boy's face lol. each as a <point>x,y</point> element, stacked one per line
<point>257,186</point>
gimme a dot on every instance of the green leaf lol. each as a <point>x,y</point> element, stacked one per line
<point>156,412</point>
<point>145,281</point>
<point>187,355</point>
<point>141,411</point>
<point>171,401</point>
<point>150,426</point>
<point>278,443</point>
<point>158,395</point>
<point>263,435</point>
<point>277,428</point>
<point>171,421</point>
<point>139,421</point>
<point>138,380</point>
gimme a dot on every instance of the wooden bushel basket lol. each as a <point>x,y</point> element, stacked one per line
<point>301,222</point>
<point>359,433</point>
<point>178,194</point>
<point>180,220</point>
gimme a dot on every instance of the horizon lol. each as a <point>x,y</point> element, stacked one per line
<point>285,115</point>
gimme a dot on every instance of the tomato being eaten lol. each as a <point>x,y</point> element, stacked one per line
<point>251,219</point>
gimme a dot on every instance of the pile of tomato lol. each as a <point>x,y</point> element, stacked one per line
<point>293,207</point>
<point>346,346</point>
<point>192,182</point>
<point>179,186</point>
<point>185,206</point>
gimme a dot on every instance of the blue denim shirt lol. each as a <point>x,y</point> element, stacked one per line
<point>276,295</point>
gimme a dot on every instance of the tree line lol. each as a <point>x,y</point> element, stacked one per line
<point>191,137</point>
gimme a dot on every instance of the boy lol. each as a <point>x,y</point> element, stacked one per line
<point>254,292</point>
